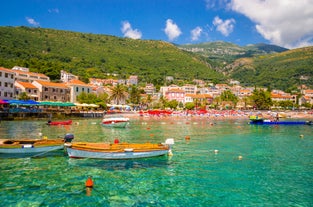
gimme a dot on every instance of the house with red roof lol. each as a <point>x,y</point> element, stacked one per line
<point>77,87</point>
<point>28,88</point>
<point>50,91</point>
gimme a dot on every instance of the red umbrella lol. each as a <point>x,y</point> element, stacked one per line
<point>3,102</point>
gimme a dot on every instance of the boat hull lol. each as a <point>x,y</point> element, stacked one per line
<point>30,149</point>
<point>55,123</point>
<point>280,123</point>
<point>115,124</point>
<point>79,153</point>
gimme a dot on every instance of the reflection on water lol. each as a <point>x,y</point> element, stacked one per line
<point>112,165</point>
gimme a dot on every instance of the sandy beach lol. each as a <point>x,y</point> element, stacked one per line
<point>225,114</point>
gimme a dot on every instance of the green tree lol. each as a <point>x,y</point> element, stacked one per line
<point>118,93</point>
<point>261,99</point>
<point>190,105</point>
<point>172,104</point>
<point>134,95</point>
<point>229,96</point>
<point>23,96</point>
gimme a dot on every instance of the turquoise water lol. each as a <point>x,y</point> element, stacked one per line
<point>275,168</point>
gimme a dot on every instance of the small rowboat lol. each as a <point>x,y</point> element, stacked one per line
<point>115,121</point>
<point>67,122</point>
<point>255,120</point>
<point>33,146</point>
<point>118,151</point>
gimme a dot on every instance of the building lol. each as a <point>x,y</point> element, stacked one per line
<point>199,98</point>
<point>7,79</point>
<point>28,88</point>
<point>190,89</point>
<point>25,76</point>
<point>50,91</point>
<point>77,87</point>
<point>66,77</point>
<point>150,89</point>
<point>132,80</point>
<point>175,94</point>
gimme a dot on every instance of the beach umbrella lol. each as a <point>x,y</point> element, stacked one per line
<point>3,102</point>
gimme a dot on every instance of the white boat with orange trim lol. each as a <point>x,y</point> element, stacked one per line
<point>118,151</point>
<point>33,146</point>
<point>115,121</point>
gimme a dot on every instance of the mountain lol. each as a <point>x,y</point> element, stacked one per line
<point>285,70</point>
<point>261,65</point>
<point>221,53</point>
<point>89,55</point>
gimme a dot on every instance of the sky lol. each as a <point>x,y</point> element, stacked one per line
<point>286,23</point>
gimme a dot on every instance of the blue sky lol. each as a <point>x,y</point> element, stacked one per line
<point>287,23</point>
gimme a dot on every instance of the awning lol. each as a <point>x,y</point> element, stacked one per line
<point>51,103</point>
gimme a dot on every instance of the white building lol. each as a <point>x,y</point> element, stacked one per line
<point>7,79</point>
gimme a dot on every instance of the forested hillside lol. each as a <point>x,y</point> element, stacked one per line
<point>88,55</point>
<point>285,70</point>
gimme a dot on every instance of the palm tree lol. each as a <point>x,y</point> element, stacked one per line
<point>118,93</point>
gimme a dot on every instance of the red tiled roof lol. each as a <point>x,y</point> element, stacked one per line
<point>51,84</point>
<point>26,84</point>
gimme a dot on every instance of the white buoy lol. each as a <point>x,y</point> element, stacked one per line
<point>239,157</point>
<point>216,151</point>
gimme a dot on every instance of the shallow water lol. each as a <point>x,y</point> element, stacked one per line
<point>229,163</point>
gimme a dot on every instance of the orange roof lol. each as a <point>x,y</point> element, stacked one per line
<point>175,90</point>
<point>198,96</point>
<point>51,84</point>
<point>308,91</point>
<point>29,73</point>
<point>275,95</point>
<point>76,82</point>
<point>26,84</point>
<point>7,70</point>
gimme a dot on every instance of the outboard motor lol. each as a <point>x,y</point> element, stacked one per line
<point>68,138</point>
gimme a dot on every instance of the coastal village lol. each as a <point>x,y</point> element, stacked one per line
<point>39,88</point>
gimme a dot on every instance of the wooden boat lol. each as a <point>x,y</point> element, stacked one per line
<point>118,151</point>
<point>33,146</point>
<point>256,120</point>
<point>115,121</point>
<point>67,122</point>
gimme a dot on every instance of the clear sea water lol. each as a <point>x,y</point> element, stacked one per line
<point>229,163</point>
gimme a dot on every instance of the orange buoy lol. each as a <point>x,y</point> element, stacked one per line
<point>151,135</point>
<point>89,182</point>
<point>187,137</point>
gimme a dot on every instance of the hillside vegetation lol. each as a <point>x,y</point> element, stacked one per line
<point>285,70</point>
<point>88,55</point>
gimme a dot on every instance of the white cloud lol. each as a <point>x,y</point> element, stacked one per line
<point>172,30</point>
<point>286,23</point>
<point>32,22</point>
<point>128,31</point>
<point>225,27</point>
<point>215,4</point>
<point>55,10</point>
<point>196,33</point>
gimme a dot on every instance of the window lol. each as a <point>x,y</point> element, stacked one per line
<point>5,84</point>
<point>0,73</point>
<point>46,89</point>
<point>76,89</point>
<point>6,75</point>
